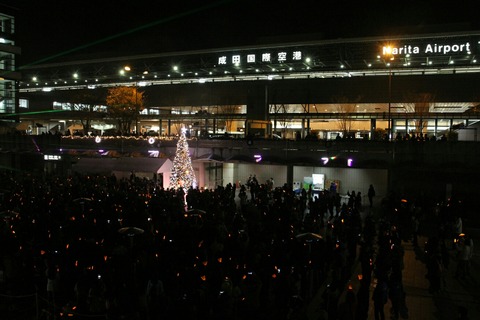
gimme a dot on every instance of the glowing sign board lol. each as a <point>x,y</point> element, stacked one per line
<point>268,57</point>
<point>52,157</point>
<point>428,49</point>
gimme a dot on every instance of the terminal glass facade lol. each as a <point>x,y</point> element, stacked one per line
<point>8,75</point>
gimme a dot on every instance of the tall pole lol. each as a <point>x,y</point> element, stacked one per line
<point>389,102</point>
<point>136,106</point>
<point>388,54</point>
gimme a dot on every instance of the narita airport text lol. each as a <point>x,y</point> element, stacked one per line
<point>428,49</point>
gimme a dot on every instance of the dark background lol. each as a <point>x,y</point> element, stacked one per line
<point>54,30</point>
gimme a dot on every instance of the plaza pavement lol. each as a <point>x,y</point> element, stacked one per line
<point>421,304</point>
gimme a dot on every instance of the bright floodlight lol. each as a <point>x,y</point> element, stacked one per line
<point>387,50</point>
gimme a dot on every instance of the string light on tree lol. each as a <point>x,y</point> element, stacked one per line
<point>182,175</point>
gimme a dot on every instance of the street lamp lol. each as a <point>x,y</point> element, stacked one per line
<point>136,85</point>
<point>387,52</point>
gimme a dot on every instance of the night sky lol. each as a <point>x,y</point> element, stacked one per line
<point>52,30</point>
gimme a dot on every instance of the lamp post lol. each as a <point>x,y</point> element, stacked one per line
<point>389,101</point>
<point>137,83</point>
<point>387,52</point>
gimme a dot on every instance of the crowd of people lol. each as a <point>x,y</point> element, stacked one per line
<point>95,245</point>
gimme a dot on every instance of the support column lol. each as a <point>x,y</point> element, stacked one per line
<point>257,123</point>
<point>257,103</point>
<point>373,125</point>
<point>302,133</point>
<point>205,128</point>
<point>393,129</point>
<point>290,176</point>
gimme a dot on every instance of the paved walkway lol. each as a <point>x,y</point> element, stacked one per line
<point>421,304</point>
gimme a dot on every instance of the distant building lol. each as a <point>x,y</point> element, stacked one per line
<point>9,76</point>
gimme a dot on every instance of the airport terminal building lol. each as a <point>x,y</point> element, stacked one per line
<point>423,84</point>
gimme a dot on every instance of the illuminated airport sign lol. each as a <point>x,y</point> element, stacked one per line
<point>265,57</point>
<point>428,49</point>
<point>52,157</point>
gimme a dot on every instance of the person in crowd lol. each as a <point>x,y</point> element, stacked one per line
<point>358,201</point>
<point>253,185</point>
<point>380,298</point>
<point>435,268</point>
<point>457,228</point>
<point>243,197</point>
<point>52,284</point>
<point>464,254</point>
<point>415,227</point>
<point>96,297</point>
<point>347,309</point>
<point>371,195</point>
<point>351,198</point>
<point>395,294</point>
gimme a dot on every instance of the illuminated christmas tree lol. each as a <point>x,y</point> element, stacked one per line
<point>182,175</point>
